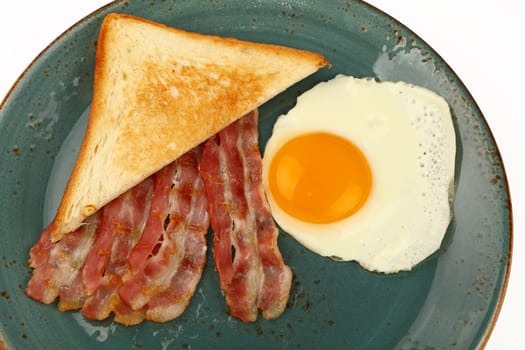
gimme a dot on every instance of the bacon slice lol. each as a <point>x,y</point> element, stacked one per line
<point>234,244</point>
<point>251,269</point>
<point>99,255</point>
<point>122,223</point>
<point>162,182</point>
<point>190,231</point>
<point>152,252</point>
<point>277,277</point>
<point>177,258</point>
<point>63,261</point>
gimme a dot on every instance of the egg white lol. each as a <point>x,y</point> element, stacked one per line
<point>407,135</point>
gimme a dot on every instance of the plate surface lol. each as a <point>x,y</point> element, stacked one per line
<point>448,301</point>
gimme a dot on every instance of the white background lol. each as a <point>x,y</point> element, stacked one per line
<point>483,43</point>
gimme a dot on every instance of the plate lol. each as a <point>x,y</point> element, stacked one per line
<point>451,300</point>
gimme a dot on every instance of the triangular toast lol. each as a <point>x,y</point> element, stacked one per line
<point>160,91</point>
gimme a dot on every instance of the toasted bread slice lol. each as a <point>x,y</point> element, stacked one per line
<point>158,92</point>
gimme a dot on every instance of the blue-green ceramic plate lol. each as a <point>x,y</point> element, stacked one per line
<point>450,301</point>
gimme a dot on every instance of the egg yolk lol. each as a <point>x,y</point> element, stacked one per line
<point>319,178</point>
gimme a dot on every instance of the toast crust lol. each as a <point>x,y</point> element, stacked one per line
<point>158,92</point>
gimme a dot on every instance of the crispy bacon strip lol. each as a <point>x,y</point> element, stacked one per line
<point>277,277</point>
<point>185,222</point>
<point>99,255</point>
<point>234,245</point>
<point>162,182</point>
<point>122,223</point>
<point>63,261</point>
<point>251,269</point>
<point>150,257</point>
<point>190,231</point>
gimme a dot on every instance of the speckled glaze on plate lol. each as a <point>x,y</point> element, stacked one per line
<point>450,301</point>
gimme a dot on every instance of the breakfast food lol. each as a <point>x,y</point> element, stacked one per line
<point>142,255</point>
<point>160,88</point>
<point>364,170</point>
<point>129,236</point>
<point>251,269</point>
<point>358,170</point>
<point>167,261</point>
<point>90,269</point>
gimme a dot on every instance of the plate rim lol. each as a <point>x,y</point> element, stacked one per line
<point>490,136</point>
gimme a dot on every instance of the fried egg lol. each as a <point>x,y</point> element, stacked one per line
<point>364,170</point>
